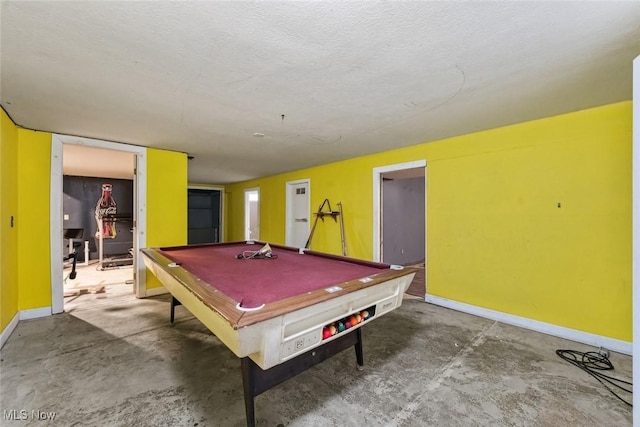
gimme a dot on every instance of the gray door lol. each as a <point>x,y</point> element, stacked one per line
<point>204,216</point>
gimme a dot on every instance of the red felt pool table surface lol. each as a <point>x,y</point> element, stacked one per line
<point>256,281</point>
<point>291,281</point>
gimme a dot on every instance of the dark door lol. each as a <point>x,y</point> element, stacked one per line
<point>204,216</point>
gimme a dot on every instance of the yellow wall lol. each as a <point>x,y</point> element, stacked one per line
<point>34,255</point>
<point>166,201</point>
<point>25,273</point>
<point>8,208</point>
<point>496,215</point>
<point>348,182</point>
<point>496,237</point>
<point>25,179</point>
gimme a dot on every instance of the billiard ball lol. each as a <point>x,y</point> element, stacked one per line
<point>347,324</point>
<point>326,333</point>
<point>353,320</point>
<point>358,318</point>
<point>332,329</point>
<point>365,314</point>
<point>341,327</point>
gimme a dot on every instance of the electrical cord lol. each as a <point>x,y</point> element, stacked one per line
<point>591,362</point>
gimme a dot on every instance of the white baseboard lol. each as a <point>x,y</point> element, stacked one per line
<point>612,344</point>
<point>6,332</point>
<point>152,292</point>
<point>35,313</point>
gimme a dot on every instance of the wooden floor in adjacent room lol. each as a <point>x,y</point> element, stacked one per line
<point>96,286</point>
<point>418,284</point>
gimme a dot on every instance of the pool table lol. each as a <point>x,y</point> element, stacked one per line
<point>280,309</point>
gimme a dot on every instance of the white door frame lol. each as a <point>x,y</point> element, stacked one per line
<point>289,211</point>
<point>377,201</point>
<point>139,208</point>
<point>636,236</point>
<point>221,190</point>
<point>247,214</point>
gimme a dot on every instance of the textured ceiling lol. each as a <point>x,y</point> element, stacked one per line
<point>321,81</point>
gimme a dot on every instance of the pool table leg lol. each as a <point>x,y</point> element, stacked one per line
<point>249,392</point>
<point>255,380</point>
<point>174,303</point>
<point>358,347</point>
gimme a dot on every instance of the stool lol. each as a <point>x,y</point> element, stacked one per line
<point>73,234</point>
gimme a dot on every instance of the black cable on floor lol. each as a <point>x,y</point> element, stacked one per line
<point>591,362</point>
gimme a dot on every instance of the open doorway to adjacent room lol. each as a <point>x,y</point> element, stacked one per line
<point>399,219</point>
<point>252,214</point>
<point>205,215</point>
<point>95,188</point>
<point>98,224</point>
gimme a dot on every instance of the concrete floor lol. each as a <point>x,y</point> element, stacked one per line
<point>118,362</point>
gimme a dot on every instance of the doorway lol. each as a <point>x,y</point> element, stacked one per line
<point>298,203</point>
<point>400,218</point>
<point>204,215</point>
<point>98,228</point>
<point>252,214</point>
<point>104,162</point>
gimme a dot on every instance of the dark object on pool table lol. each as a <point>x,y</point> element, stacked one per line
<point>264,253</point>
